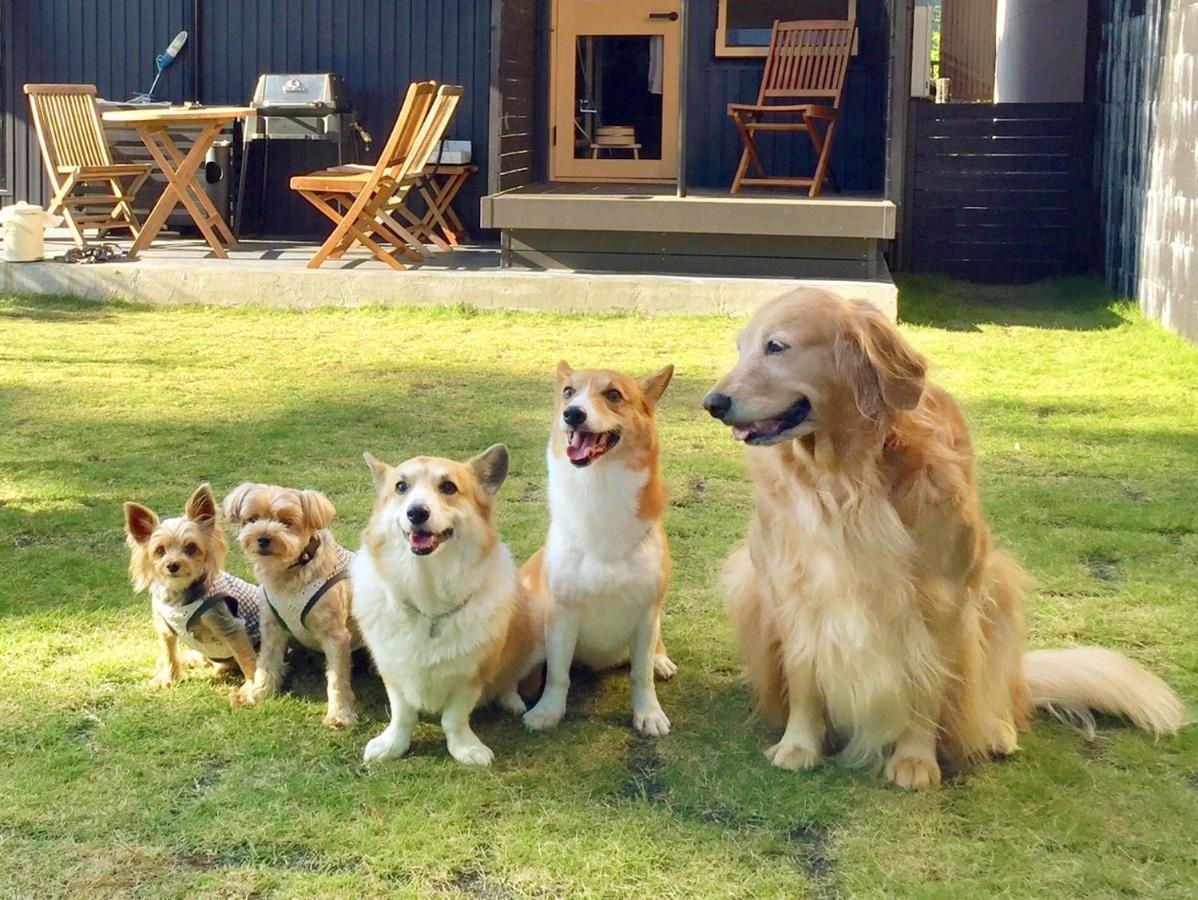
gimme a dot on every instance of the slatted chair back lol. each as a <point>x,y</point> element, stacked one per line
<point>433,129</point>
<point>807,60</point>
<point>412,114</point>
<point>68,125</point>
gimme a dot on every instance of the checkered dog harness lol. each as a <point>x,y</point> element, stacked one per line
<point>291,610</point>
<point>242,598</point>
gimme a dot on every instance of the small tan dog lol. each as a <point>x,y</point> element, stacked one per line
<point>194,601</point>
<point>605,565</point>
<point>438,600</point>
<point>303,574</point>
<point>868,599</point>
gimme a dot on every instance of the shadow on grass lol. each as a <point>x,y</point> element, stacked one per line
<point>56,308</point>
<point>1077,304</point>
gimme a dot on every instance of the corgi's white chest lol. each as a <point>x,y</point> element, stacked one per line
<point>604,562</point>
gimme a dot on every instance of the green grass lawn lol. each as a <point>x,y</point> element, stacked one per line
<point>1085,419</point>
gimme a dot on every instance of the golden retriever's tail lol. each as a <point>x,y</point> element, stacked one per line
<point>1071,684</point>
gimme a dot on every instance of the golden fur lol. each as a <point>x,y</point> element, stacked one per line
<point>276,525</point>
<point>872,612</point>
<point>175,554</point>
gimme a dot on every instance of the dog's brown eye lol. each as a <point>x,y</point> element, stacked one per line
<point>448,488</point>
<point>772,347</point>
<point>251,520</point>
<point>568,392</point>
<point>191,549</point>
<point>160,551</point>
<point>613,396</point>
<point>401,487</point>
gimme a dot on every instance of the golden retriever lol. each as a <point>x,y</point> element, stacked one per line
<point>872,612</point>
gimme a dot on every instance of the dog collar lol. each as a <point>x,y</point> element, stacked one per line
<point>309,553</point>
<point>434,622</point>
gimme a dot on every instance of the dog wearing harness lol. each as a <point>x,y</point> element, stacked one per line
<point>304,587</point>
<point>193,600</point>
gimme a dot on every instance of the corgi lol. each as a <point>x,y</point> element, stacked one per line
<point>605,565</point>
<point>303,574</point>
<point>194,601</point>
<point>439,602</point>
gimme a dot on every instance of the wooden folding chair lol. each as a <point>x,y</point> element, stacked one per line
<point>79,162</point>
<point>378,193</point>
<point>807,62</point>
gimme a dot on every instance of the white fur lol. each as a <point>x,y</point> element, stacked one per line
<point>421,670</point>
<point>604,565</point>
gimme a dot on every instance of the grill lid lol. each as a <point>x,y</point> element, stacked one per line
<point>286,93</point>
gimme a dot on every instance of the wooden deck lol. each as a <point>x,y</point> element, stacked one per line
<point>647,227</point>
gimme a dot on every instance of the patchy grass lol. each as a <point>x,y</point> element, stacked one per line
<point>1086,425</point>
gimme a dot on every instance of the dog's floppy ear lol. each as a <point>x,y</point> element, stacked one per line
<point>201,508</point>
<point>655,385</point>
<point>885,371</point>
<point>235,501</point>
<point>140,522</point>
<point>379,470</point>
<point>563,370</point>
<point>319,511</point>
<point>490,468</point>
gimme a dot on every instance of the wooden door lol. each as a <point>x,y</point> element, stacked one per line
<point>614,90</point>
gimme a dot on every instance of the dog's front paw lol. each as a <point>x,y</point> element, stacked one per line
<point>664,668</point>
<point>913,772</point>
<point>341,718</point>
<point>387,745</point>
<point>163,680</point>
<point>793,756</point>
<point>473,754</point>
<point>543,716</point>
<point>249,694</point>
<point>513,702</point>
<point>651,721</point>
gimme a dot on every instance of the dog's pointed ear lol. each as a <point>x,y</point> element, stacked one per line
<point>885,371</point>
<point>655,385</point>
<point>201,508</point>
<point>490,468</point>
<point>235,501</point>
<point>379,470</point>
<point>140,522</point>
<point>319,511</point>
<point>563,370</point>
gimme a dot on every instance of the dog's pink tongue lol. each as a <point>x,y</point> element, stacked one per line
<point>582,446</point>
<point>423,540</point>
<point>765,426</point>
<point>741,432</point>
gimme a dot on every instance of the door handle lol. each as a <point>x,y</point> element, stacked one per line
<point>672,16</point>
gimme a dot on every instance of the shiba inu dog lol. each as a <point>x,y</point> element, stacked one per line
<point>873,612</point>
<point>605,565</point>
<point>438,600</point>
<point>303,574</point>
<point>194,601</point>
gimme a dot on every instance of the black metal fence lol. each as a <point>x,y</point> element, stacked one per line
<point>1000,192</point>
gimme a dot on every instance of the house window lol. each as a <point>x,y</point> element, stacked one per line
<point>743,26</point>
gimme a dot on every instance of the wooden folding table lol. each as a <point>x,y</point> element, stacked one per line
<point>153,126</point>
<point>443,183</point>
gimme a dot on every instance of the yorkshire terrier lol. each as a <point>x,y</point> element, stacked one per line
<point>194,601</point>
<point>306,593</point>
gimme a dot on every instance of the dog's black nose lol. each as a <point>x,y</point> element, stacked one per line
<point>574,416</point>
<point>173,568</point>
<point>717,404</point>
<point>417,514</point>
<point>263,542</point>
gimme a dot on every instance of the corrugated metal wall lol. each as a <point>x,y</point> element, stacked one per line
<point>377,46</point>
<point>967,47</point>
<point>1147,164</point>
<point>858,151</point>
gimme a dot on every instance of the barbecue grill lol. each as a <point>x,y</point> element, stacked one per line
<point>296,107</point>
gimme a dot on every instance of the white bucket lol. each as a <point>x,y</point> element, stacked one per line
<point>24,231</point>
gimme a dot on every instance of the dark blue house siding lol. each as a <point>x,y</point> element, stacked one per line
<point>377,46</point>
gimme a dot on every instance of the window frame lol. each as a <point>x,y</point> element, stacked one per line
<point>724,51</point>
